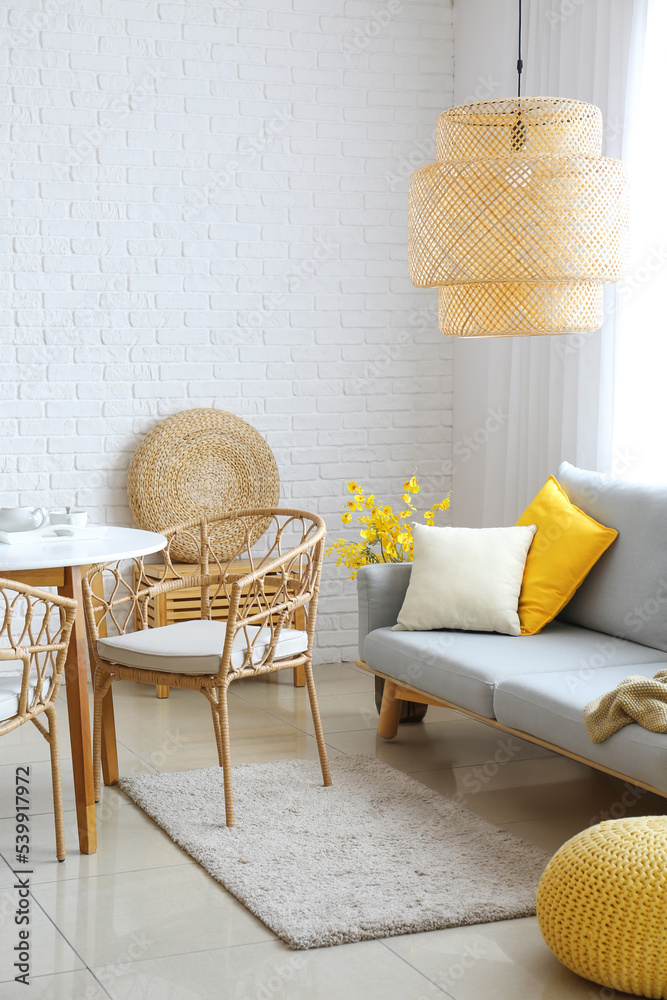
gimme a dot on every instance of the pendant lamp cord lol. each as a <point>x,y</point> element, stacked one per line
<point>519,62</point>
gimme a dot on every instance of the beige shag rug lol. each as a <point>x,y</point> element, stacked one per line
<point>374,855</point>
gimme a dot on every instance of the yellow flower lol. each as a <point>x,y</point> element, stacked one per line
<point>385,536</point>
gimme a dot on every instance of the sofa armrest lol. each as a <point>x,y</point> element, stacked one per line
<point>381,590</point>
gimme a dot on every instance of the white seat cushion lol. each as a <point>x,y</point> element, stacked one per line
<point>11,675</point>
<point>194,647</point>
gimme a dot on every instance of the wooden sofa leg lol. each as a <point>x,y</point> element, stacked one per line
<point>390,712</point>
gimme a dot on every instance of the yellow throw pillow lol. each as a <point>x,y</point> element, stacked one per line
<point>565,548</point>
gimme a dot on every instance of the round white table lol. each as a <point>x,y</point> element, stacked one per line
<point>58,563</point>
<point>114,543</point>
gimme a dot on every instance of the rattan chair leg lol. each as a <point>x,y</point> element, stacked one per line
<point>217,728</point>
<point>56,782</point>
<point>226,756</point>
<point>317,722</point>
<point>98,697</point>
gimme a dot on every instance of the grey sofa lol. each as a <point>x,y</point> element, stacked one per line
<point>537,686</point>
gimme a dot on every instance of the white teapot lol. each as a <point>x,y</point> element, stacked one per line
<point>22,518</point>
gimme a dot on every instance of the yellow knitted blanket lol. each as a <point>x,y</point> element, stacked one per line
<point>635,699</point>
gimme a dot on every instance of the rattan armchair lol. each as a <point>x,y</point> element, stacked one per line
<point>35,628</point>
<point>207,655</point>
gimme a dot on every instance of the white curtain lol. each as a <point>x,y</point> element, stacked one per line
<point>524,404</point>
<point>640,447</point>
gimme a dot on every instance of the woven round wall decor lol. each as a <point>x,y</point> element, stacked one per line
<point>202,461</point>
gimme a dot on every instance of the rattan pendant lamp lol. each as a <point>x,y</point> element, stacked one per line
<point>520,221</point>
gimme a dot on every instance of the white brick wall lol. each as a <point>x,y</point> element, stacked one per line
<point>206,206</point>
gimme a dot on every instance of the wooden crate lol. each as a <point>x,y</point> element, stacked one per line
<point>185,604</point>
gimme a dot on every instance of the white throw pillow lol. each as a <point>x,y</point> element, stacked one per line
<point>466,578</point>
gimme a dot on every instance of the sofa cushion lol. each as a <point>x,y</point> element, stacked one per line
<point>466,578</point>
<point>550,704</point>
<point>567,545</point>
<point>465,667</point>
<point>625,594</point>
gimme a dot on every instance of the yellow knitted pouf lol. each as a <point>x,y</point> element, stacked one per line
<point>602,905</point>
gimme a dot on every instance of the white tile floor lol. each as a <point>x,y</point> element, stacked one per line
<point>139,919</point>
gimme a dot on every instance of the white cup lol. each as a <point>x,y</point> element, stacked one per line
<point>73,518</point>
